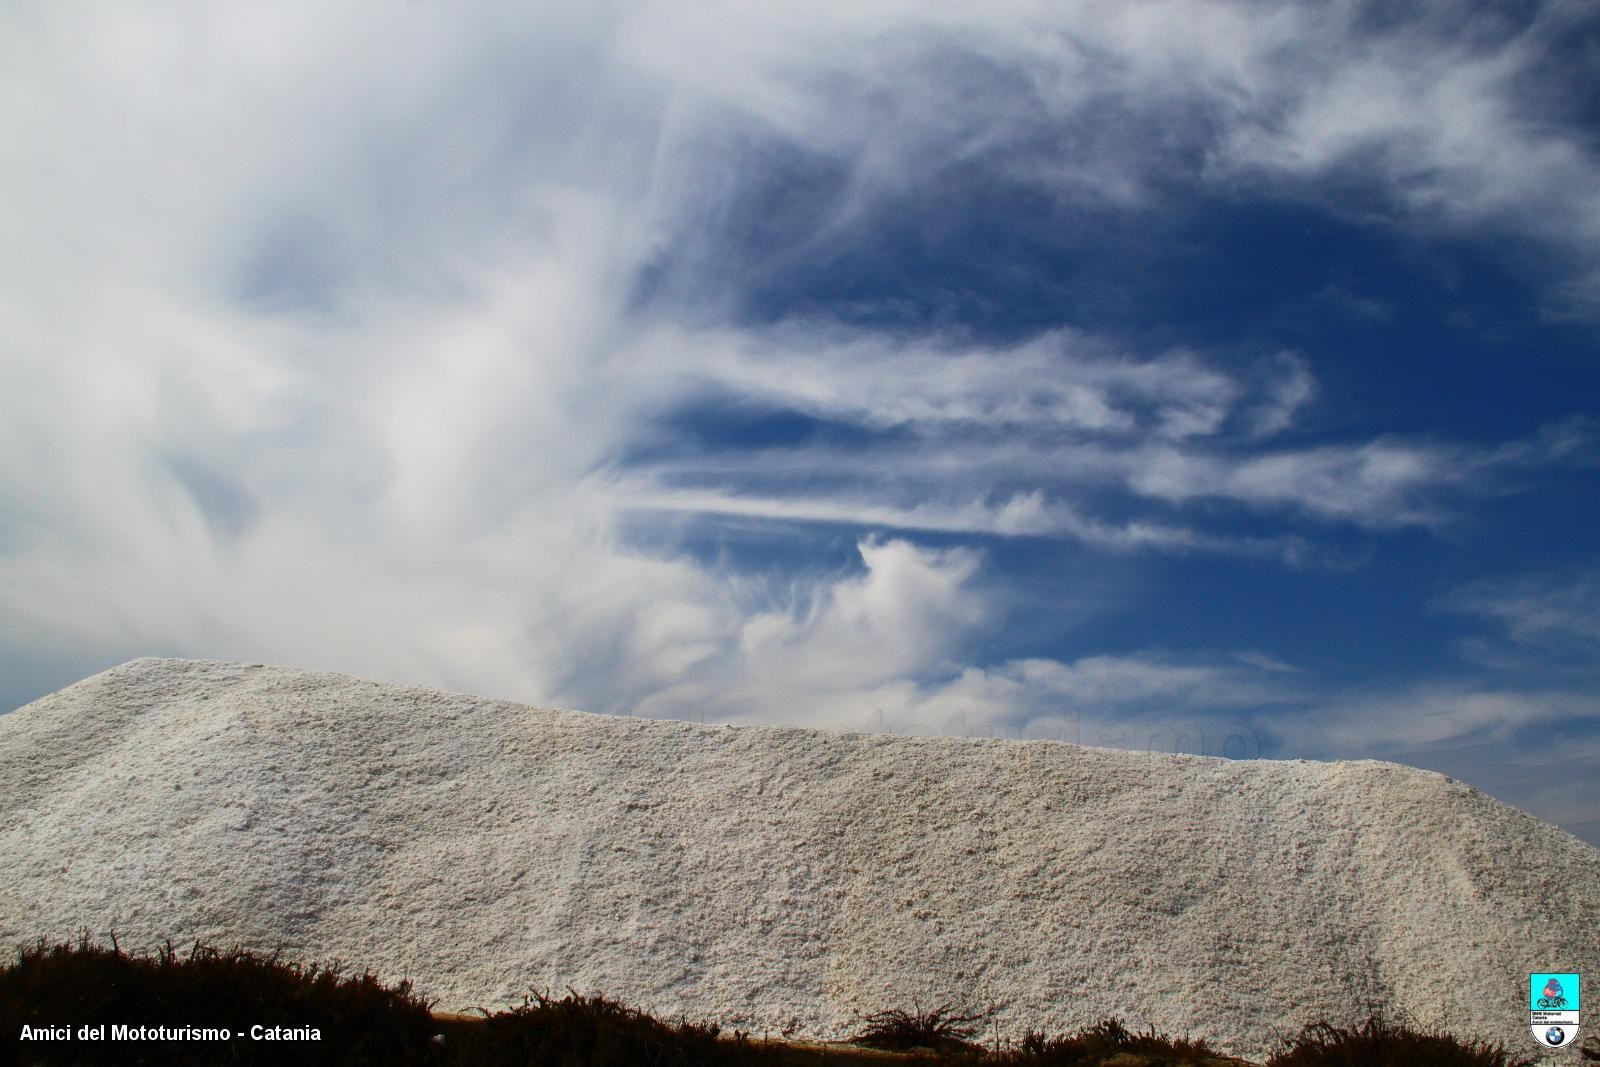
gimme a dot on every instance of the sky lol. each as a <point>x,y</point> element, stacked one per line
<point>1176,376</point>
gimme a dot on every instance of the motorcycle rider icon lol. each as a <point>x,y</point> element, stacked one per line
<point>1553,997</point>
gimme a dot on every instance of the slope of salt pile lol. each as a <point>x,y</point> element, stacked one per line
<point>772,877</point>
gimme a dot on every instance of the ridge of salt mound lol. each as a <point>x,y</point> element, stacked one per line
<point>769,877</point>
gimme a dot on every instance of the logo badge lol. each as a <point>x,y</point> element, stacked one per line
<point>1553,1000</point>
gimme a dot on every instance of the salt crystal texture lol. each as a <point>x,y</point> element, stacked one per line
<point>772,877</point>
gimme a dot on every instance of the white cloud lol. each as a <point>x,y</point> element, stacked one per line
<point>1382,483</point>
<point>1554,615</point>
<point>665,640</point>
<point>1383,721</point>
<point>1023,514</point>
<point>1057,382</point>
<point>1387,482</point>
<point>1442,114</point>
<point>1044,479</point>
<point>1019,439</point>
<point>1285,396</point>
<point>1264,662</point>
<point>1437,116</point>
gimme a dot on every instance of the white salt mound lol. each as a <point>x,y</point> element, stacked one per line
<point>767,877</point>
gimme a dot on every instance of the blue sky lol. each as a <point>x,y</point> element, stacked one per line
<point>1189,375</point>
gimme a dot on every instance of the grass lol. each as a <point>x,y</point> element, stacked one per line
<point>362,1021</point>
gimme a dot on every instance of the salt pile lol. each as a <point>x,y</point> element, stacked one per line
<point>773,878</point>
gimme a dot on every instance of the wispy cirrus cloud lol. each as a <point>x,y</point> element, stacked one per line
<point>1060,382</point>
<point>1448,117</point>
<point>1545,623</point>
<point>1541,610</point>
<point>1028,439</point>
<point>1023,515</point>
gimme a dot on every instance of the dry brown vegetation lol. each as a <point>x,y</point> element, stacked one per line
<point>362,1021</point>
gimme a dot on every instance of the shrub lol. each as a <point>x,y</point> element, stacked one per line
<point>941,1029</point>
<point>1379,1043</point>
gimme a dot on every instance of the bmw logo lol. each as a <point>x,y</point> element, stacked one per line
<point>1555,1035</point>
